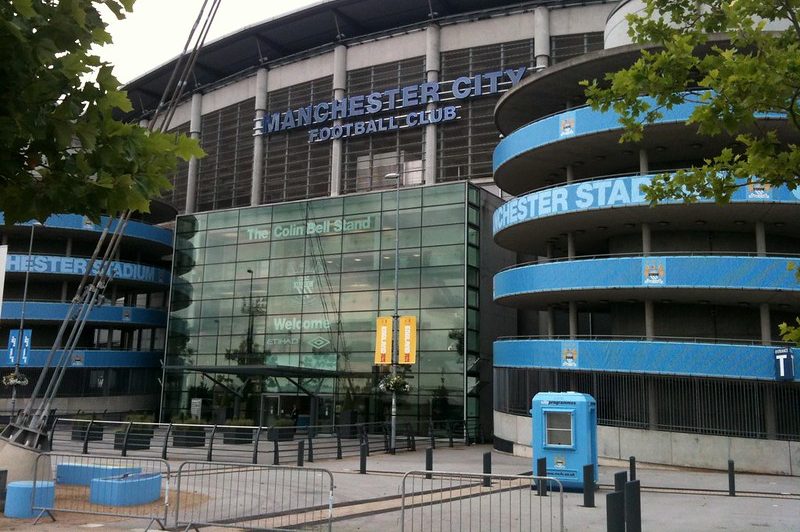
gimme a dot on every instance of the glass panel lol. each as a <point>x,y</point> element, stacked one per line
<point>223,219</point>
<point>443,235</point>
<point>443,194</point>
<point>256,215</point>
<point>559,428</point>
<point>443,214</point>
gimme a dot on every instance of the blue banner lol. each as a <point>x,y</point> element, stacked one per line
<point>15,350</point>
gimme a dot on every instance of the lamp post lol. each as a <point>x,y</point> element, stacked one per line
<point>22,321</point>
<point>395,317</point>
<point>250,319</point>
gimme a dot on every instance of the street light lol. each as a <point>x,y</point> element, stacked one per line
<point>395,317</point>
<point>250,320</point>
<point>22,320</point>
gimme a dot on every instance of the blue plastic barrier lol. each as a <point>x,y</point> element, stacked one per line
<point>19,498</point>
<point>126,490</point>
<point>83,474</point>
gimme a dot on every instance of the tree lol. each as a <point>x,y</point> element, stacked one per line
<point>747,72</point>
<point>61,149</point>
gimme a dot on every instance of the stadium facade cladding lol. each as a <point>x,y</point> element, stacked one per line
<point>666,315</point>
<point>116,364</point>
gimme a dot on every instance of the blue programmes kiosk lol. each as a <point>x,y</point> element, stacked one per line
<point>565,434</point>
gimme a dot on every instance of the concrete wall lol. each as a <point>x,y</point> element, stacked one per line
<point>671,448</point>
<point>394,48</point>
<point>111,405</point>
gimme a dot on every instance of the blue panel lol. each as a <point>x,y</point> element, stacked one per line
<point>133,229</point>
<point>77,266</point>
<point>671,358</point>
<point>35,310</point>
<point>609,194</point>
<point>752,273</point>
<point>92,358</point>
<point>576,123</point>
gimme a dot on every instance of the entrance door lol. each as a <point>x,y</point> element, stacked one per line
<point>270,409</point>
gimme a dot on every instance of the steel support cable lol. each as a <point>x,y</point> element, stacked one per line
<point>101,279</point>
<point>87,296</point>
<point>163,100</point>
<point>94,290</point>
<point>191,60</point>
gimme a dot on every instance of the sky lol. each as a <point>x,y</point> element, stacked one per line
<point>157,30</point>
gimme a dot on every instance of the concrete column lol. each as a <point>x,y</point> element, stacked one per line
<point>644,164</point>
<point>433,66</point>
<point>68,248</point>
<point>571,245</point>
<point>551,329</point>
<point>541,37</point>
<point>339,88</point>
<point>766,327</point>
<point>573,320</point>
<point>761,239</point>
<point>194,132</point>
<point>649,320</point>
<point>570,173</point>
<point>646,240</point>
<point>259,140</point>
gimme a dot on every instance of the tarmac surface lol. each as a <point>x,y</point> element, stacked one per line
<point>672,499</point>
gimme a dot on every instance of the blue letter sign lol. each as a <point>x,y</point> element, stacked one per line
<point>13,346</point>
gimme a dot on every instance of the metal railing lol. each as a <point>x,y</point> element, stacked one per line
<point>439,500</point>
<point>253,496</point>
<point>134,488</point>
<point>248,444</point>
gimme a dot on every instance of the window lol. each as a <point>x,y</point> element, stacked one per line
<point>558,426</point>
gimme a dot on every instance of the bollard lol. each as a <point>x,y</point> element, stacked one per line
<point>541,471</point>
<point>428,462</point>
<point>338,444</point>
<point>615,512</point>
<point>620,479</point>
<point>632,461</point>
<point>301,451</point>
<point>276,458</point>
<point>487,469</point>
<point>450,433</point>
<point>363,459</point>
<point>588,486</point>
<point>731,479</point>
<point>310,448</point>
<point>430,434</point>
<point>633,506</point>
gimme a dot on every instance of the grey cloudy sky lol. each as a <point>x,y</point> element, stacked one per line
<point>157,30</point>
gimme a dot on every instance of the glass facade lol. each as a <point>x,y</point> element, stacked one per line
<point>278,303</point>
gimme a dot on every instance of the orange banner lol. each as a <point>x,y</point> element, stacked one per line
<point>383,341</point>
<point>407,339</point>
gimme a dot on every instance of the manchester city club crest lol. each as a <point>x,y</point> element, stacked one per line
<point>569,356</point>
<point>566,125</point>
<point>655,272</point>
<point>756,190</point>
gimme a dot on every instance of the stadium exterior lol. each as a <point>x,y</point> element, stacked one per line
<point>116,365</point>
<point>285,245</point>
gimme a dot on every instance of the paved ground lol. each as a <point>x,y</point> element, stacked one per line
<point>371,502</point>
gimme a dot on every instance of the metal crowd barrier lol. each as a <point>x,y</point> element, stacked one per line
<point>438,500</point>
<point>245,444</point>
<point>253,496</point>
<point>137,488</point>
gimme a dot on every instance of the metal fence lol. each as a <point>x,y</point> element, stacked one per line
<point>121,487</point>
<point>438,500</point>
<point>253,496</point>
<point>246,444</point>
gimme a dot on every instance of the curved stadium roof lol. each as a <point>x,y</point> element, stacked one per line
<point>318,26</point>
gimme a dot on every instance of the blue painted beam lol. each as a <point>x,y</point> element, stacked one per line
<point>666,358</point>
<point>45,311</point>
<point>91,358</point>
<point>649,273</point>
